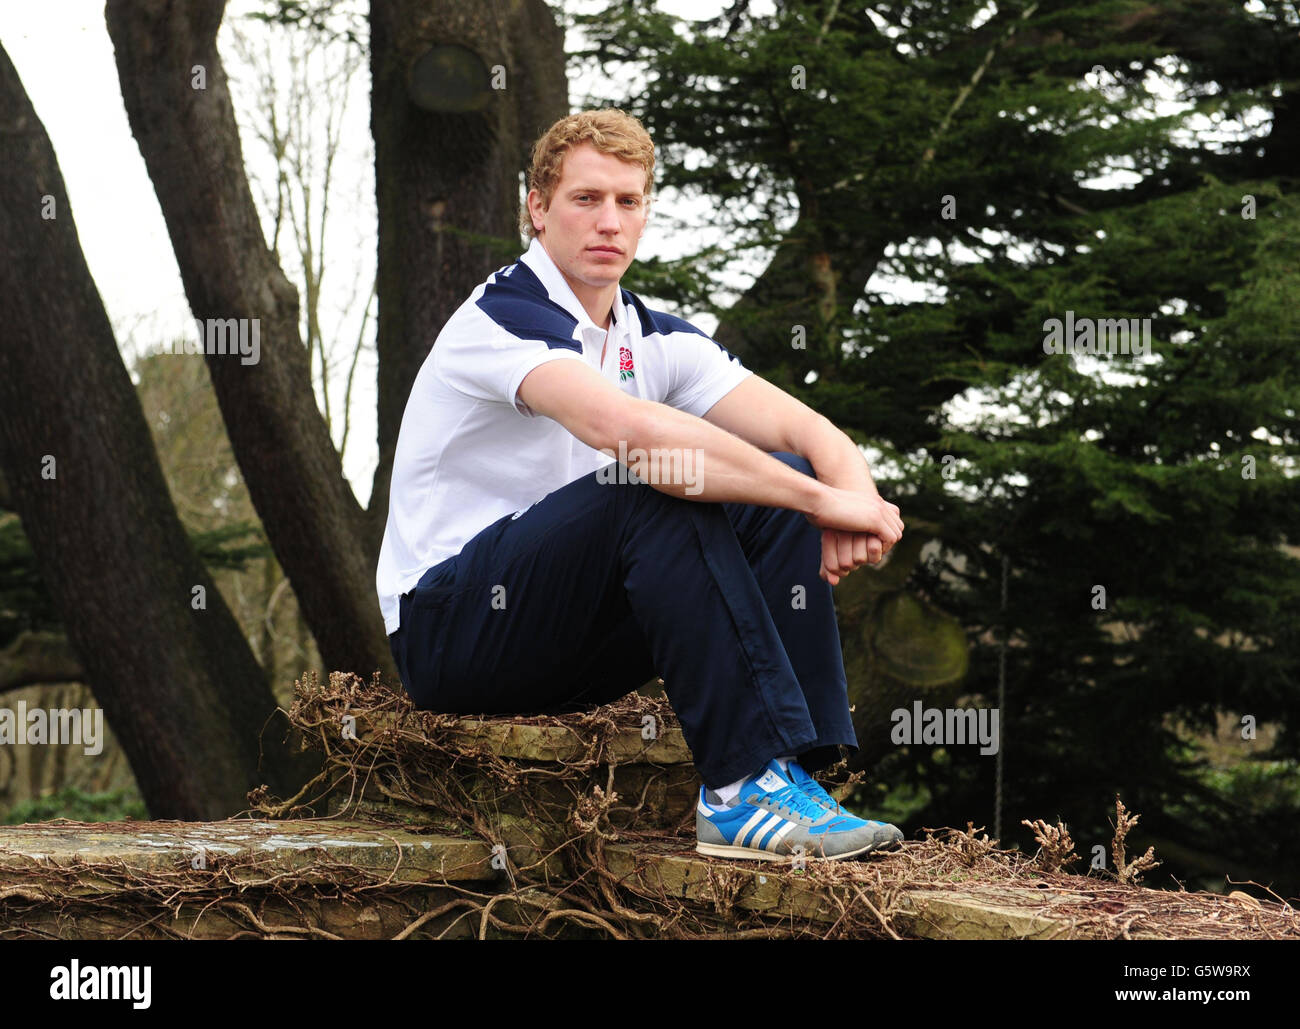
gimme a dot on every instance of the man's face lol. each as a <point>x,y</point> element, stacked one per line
<point>596,217</point>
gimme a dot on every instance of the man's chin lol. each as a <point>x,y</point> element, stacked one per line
<point>605,276</point>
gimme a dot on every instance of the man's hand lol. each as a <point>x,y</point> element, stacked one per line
<point>862,511</point>
<point>842,552</point>
<point>858,527</point>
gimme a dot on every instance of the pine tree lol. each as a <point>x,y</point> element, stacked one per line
<point>931,186</point>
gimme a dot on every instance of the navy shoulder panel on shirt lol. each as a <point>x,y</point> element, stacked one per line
<point>517,301</point>
<point>663,323</point>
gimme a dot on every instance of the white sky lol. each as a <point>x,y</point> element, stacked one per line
<point>65,60</point>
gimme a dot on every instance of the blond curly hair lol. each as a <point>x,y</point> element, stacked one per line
<point>609,130</point>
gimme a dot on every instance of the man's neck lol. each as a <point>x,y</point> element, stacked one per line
<point>598,303</point>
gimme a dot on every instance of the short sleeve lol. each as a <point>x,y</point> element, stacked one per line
<point>700,372</point>
<point>535,359</point>
<point>491,366</point>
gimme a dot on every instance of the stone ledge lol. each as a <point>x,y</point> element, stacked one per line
<point>284,846</point>
<point>99,893</point>
<point>522,740</point>
<point>375,773</point>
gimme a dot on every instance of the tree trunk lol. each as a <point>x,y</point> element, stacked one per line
<point>179,685</point>
<point>815,277</point>
<point>179,107</point>
<point>449,149</point>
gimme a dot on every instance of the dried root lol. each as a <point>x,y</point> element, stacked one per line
<point>1056,848</point>
<point>1128,872</point>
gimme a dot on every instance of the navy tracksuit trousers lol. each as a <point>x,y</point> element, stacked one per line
<point>599,587</point>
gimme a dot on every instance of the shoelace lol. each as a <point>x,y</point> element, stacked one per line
<point>811,786</point>
<point>792,799</point>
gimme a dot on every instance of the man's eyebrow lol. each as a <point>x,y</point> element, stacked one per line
<point>595,189</point>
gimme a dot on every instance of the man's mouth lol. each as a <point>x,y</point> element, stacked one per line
<point>605,250</point>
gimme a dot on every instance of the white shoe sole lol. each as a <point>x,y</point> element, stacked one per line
<point>754,853</point>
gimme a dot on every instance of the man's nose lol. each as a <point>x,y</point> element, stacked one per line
<point>608,220</point>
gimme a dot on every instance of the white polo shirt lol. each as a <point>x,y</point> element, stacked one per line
<point>470,452</point>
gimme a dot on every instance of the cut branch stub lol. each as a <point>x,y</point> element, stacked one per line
<point>450,78</point>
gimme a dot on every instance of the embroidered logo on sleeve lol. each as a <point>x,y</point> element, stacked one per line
<point>625,368</point>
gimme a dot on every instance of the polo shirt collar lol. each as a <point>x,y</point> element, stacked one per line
<point>558,289</point>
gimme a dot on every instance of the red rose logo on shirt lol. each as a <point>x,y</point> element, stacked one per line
<point>625,369</point>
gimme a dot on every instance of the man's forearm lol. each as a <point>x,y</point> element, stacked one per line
<point>835,458</point>
<point>690,458</point>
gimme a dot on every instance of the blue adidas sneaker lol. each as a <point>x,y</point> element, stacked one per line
<point>892,835</point>
<point>772,819</point>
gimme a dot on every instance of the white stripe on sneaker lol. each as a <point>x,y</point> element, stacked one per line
<point>779,835</point>
<point>754,819</point>
<point>772,823</point>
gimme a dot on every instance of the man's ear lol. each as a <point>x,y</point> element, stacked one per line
<point>532,217</point>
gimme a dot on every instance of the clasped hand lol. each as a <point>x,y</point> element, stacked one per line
<point>878,526</point>
<point>843,551</point>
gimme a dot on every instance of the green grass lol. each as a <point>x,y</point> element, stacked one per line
<point>72,803</point>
